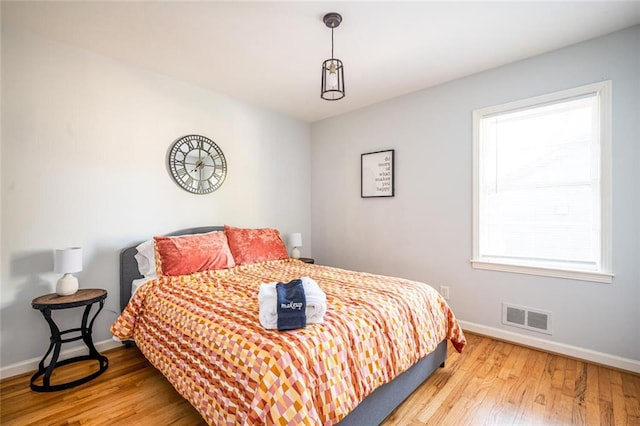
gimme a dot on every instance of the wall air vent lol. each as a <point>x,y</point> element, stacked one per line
<point>515,316</point>
<point>528,318</point>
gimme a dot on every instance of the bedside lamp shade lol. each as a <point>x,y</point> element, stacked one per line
<point>295,241</point>
<point>67,261</point>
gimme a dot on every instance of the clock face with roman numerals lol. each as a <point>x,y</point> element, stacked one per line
<point>197,164</point>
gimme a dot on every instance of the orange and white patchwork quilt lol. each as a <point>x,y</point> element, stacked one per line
<point>203,333</point>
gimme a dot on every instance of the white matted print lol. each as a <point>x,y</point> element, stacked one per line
<point>377,174</point>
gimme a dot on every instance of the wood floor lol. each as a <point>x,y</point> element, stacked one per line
<point>491,383</point>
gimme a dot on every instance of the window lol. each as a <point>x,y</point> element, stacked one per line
<point>542,185</point>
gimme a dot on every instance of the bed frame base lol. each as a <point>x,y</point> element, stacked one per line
<point>377,406</point>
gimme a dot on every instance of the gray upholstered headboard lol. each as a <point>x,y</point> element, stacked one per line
<point>129,265</point>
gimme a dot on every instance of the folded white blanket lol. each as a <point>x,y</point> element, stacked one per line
<point>268,298</point>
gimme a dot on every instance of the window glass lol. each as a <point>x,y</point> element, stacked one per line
<point>539,184</point>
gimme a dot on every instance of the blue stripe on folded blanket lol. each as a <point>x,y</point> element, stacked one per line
<point>292,305</point>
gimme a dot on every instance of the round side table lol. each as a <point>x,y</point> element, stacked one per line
<point>51,302</point>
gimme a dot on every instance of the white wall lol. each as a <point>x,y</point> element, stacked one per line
<point>84,145</point>
<point>424,232</point>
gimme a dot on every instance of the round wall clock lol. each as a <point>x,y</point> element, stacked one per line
<point>197,164</point>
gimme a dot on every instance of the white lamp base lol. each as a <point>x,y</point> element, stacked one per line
<point>295,253</point>
<point>67,285</point>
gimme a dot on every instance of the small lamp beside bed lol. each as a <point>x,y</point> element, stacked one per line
<point>295,241</point>
<point>67,261</point>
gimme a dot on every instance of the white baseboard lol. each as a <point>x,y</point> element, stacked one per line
<point>31,365</point>
<point>555,347</point>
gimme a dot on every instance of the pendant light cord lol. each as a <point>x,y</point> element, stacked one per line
<point>332,43</point>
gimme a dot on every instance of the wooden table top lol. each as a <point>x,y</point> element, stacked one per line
<point>84,296</point>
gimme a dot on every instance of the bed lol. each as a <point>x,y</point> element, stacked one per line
<point>201,331</point>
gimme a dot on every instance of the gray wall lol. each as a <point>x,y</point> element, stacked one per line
<point>84,145</point>
<point>424,232</point>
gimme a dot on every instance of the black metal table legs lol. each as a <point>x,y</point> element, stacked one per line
<point>55,346</point>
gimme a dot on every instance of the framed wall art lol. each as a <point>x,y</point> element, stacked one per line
<point>377,174</point>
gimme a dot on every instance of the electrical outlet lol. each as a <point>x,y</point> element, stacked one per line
<point>444,291</point>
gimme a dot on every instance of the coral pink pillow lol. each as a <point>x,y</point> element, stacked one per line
<point>255,245</point>
<point>187,254</point>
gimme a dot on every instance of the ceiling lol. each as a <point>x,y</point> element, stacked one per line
<point>270,53</point>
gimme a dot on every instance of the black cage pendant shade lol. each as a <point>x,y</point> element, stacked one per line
<point>332,69</point>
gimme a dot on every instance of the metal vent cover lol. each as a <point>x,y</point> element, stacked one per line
<point>528,318</point>
<point>515,315</point>
<point>537,320</point>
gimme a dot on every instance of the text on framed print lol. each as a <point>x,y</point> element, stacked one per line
<point>377,174</point>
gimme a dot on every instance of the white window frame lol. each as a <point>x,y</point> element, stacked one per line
<point>604,274</point>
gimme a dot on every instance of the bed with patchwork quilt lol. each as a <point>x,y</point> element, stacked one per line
<point>201,330</point>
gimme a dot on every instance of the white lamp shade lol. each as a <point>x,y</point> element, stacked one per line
<point>295,240</point>
<point>68,260</point>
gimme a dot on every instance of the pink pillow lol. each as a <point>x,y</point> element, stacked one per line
<point>187,254</point>
<point>255,245</point>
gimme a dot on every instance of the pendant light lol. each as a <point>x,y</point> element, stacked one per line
<point>332,69</point>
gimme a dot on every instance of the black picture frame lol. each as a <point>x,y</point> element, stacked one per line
<point>377,174</point>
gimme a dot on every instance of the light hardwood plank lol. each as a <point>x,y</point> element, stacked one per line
<point>592,392</point>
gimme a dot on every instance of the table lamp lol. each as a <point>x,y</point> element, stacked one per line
<point>295,241</point>
<point>67,261</point>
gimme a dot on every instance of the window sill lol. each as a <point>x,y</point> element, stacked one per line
<point>600,277</point>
